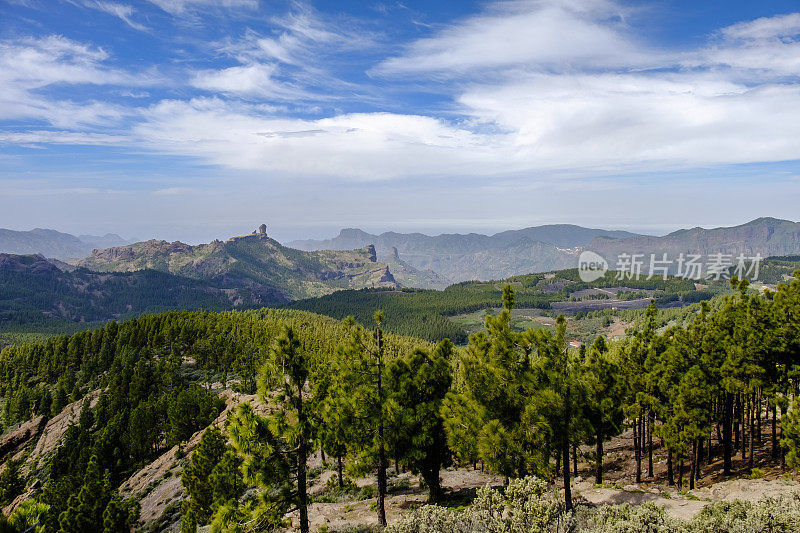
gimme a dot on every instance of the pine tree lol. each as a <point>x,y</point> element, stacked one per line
<point>417,386</point>
<point>604,384</point>
<point>196,479</point>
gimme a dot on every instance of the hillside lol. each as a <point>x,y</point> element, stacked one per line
<point>35,294</point>
<point>460,309</point>
<point>156,425</point>
<point>254,262</point>
<point>460,257</point>
<point>51,243</point>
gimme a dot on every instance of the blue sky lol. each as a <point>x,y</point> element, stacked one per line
<point>199,119</point>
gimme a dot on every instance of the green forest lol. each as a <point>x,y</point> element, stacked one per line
<point>425,313</point>
<point>517,403</point>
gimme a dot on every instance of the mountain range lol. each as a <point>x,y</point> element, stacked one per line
<point>54,244</point>
<point>463,257</point>
<point>458,257</point>
<point>253,262</point>
<point>765,236</point>
<point>271,272</point>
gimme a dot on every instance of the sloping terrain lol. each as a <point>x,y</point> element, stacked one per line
<point>254,262</point>
<point>34,291</point>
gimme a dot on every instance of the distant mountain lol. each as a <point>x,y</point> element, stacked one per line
<point>459,257</point>
<point>108,240</point>
<point>410,276</point>
<point>35,292</point>
<point>765,236</point>
<point>253,262</point>
<point>52,243</point>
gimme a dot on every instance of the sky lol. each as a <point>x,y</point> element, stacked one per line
<point>199,119</point>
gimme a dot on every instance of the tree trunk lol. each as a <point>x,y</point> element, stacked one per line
<point>565,438</point>
<point>680,473</point>
<point>650,444</point>
<point>752,432</point>
<point>598,477</point>
<point>745,412</point>
<point>781,451</point>
<point>339,471</point>
<point>774,431</point>
<point>758,416</point>
<point>302,459</point>
<point>693,471</point>
<point>637,452</point>
<point>381,443</point>
<point>735,411</point>
<point>574,460</point>
<point>567,488</point>
<point>727,422</point>
<point>670,474</point>
<point>701,454</point>
<point>431,478</point>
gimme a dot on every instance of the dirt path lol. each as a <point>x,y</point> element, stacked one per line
<point>686,505</point>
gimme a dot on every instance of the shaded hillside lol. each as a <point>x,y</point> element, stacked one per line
<point>35,293</point>
<point>474,256</point>
<point>253,262</point>
<point>51,243</point>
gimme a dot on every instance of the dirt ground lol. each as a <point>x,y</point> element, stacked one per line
<point>618,486</point>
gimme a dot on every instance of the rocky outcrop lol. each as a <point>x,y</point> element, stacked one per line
<point>17,440</point>
<point>387,277</point>
<point>255,262</point>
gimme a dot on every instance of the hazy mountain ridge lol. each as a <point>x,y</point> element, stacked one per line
<point>410,276</point>
<point>251,261</point>
<point>473,256</point>
<point>766,236</point>
<point>462,257</point>
<point>55,244</point>
<point>559,235</point>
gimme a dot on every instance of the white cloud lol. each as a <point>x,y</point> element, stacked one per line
<point>539,88</point>
<point>293,63</point>
<point>355,146</point>
<point>28,66</point>
<point>61,137</point>
<point>251,80</point>
<point>765,28</point>
<point>639,121</point>
<point>540,33</point>
<point>177,7</point>
<point>122,11</point>
<point>35,63</point>
<point>762,47</point>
